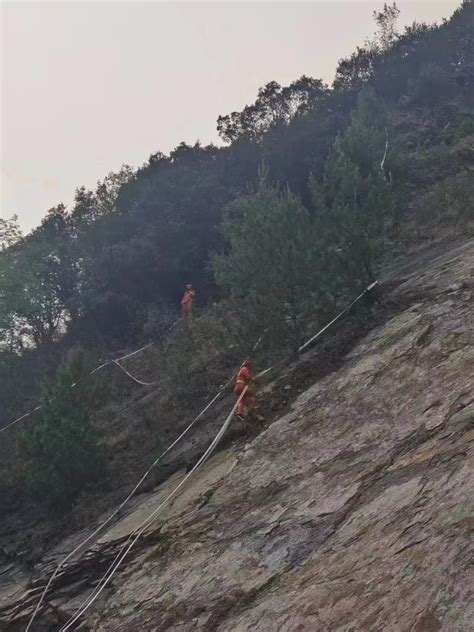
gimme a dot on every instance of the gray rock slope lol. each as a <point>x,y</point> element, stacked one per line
<point>352,512</point>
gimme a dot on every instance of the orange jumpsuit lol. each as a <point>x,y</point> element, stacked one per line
<point>244,378</point>
<point>187,302</point>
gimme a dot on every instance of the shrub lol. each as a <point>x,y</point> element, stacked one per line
<point>61,445</point>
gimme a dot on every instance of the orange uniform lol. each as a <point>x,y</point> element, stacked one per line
<point>245,378</point>
<point>187,301</point>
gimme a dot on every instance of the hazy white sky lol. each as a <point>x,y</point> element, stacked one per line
<point>88,86</point>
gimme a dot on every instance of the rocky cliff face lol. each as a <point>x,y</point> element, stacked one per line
<point>352,512</point>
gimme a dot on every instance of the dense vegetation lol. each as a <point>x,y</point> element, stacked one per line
<point>61,448</point>
<point>280,226</point>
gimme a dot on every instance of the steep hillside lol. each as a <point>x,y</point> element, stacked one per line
<point>375,163</point>
<point>348,485</point>
<point>352,511</point>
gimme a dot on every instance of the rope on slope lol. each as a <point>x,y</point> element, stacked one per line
<point>136,533</point>
<point>309,342</point>
<point>344,311</point>
<point>98,368</point>
<point>134,490</point>
<point>27,414</point>
<point>118,509</point>
<point>135,379</point>
<point>147,522</point>
<point>100,527</point>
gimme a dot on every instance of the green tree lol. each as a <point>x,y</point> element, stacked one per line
<point>274,105</point>
<point>359,68</point>
<point>354,204</point>
<point>38,282</point>
<point>10,232</point>
<point>61,445</point>
<point>386,21</point>
<point>432,84</point>
<point>90,205</point>
<point>271,265</point>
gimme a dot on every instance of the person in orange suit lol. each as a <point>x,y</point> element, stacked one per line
<point>187,301</point>
<point>244,379</point>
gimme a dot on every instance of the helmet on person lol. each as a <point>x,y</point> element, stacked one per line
<point>189,286</point>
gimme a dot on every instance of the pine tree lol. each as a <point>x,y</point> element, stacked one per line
<point>354,204</point>
<point>61,446</point>
<point>271,266</point>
